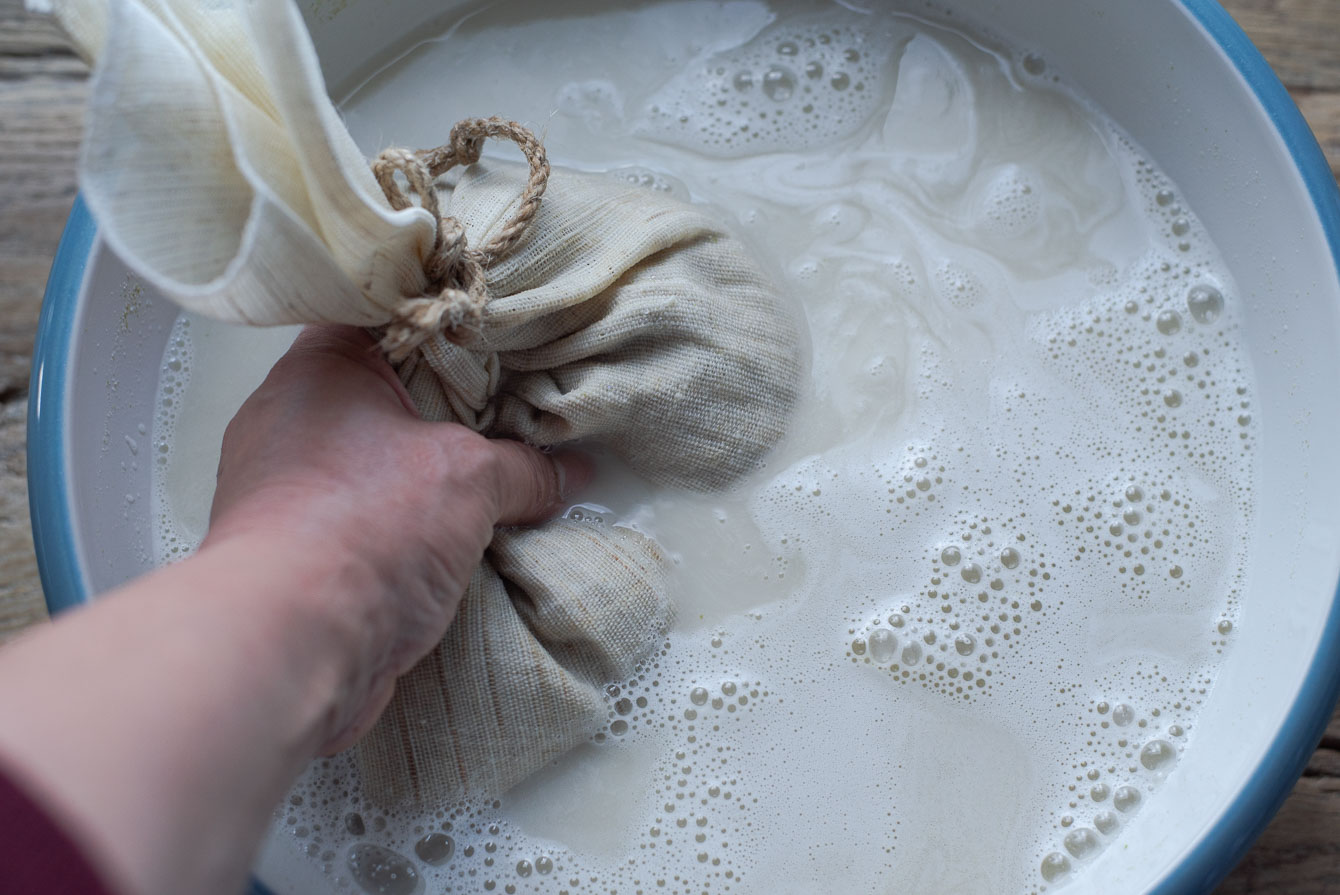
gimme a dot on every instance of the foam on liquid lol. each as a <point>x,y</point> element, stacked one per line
<point>957,632</point>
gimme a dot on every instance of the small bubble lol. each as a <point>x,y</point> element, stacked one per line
<point>814,70</point>
<point>972,573</point>
<point>1164,197</point>
<point>911,654</point>
<point>435,848</point>
<point>1181,227</point>
<point>1172,397</point>
<point>744,81</point>
<point>1134,494</point>
<point>1244,419</point>
<point>787,48</point>
<point>544,865</point>
<point>1009,558</point>
<point>883,646</point>
<point>1081,842</point>
<point>858,647</point>
<point>1168,322</point>
<point>1175,571</point>
<point>1132,516</point>
<point>1125,798</point>
<point>1100,792</point>
<point>1055,866</point>
<point>698,696</point>
<point>1106,822</point>
<point>1225,626</point>
<point>778,84</point>
<point>840,81</point>
<point>1034,64</point>
<point>1156,754</point>
<point>950,556</point>
<point>964,644</point>
<point>523,867</point>
<point>1205,303</point>
<point>1123,715</point>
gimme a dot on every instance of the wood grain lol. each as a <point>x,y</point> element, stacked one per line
<point>42,91</point>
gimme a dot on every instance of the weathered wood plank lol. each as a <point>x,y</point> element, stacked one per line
<point>1299,853</point>
<point>24,34</point>
<point>1298,37</point>
<point>42,93</point>
<point>1322,111</point>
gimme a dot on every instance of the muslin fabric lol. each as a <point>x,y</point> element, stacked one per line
<point>520,678</point>
<point>219,170</point>
<point>624,316</point>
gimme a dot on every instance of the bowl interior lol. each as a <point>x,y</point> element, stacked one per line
<point>1181,79</point>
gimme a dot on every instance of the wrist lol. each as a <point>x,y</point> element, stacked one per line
<point>314,601</point>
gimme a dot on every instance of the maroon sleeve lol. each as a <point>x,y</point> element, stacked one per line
<point>38,857</point>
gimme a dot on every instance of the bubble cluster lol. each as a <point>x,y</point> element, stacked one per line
<point>659,181</point>
<point>597,102</point>
<point>1008,206</point>
<point>952,635</point>
<point>959,285</point>
<point>797,85</point>
<point>693,824</point>
<point>174,382</point>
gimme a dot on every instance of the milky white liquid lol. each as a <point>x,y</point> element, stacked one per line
<point>958,630</point>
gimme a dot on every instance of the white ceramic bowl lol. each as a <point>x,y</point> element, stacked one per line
<point>1185,82</point>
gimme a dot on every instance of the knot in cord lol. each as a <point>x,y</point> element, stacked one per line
<point>455,270</point>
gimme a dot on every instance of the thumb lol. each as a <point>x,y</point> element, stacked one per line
<point>532,486</point>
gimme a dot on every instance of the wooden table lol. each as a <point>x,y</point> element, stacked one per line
<point>42,92</point>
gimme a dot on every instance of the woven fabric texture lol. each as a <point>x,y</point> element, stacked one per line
<point>220,171</point>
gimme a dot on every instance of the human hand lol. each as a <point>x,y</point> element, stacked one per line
<point>329,458</point>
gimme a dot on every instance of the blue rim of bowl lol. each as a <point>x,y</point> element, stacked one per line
<point>49,503</point>
<point>1209,860</point>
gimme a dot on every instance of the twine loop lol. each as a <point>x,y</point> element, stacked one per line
<point>456,293</point>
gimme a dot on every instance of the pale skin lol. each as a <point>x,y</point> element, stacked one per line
<point>161,725</point>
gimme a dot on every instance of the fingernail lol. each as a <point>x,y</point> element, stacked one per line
<point>574,471</point>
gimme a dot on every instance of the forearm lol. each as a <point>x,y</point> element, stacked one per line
<point>163,723</point>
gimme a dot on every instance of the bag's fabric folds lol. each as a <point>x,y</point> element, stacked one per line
<point>219,170</point>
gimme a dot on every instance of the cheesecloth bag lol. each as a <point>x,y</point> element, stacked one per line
<point>525,302</point>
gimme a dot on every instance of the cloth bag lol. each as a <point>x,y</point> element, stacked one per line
<point>523,301</point>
